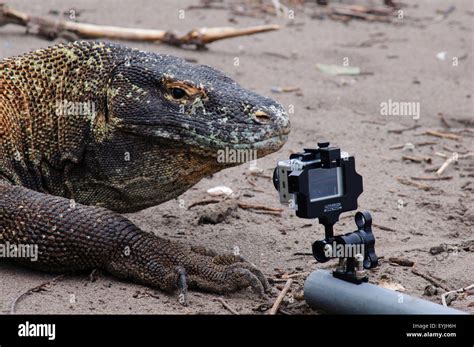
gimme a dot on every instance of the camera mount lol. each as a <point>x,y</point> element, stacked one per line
<point>322,183</point>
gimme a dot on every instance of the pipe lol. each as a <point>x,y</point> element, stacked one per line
<point>323,291</point>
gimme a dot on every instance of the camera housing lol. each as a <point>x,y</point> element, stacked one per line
<point>319,183</point>
<point>323,183</point>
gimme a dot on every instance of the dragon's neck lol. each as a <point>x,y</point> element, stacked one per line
<point>51,100</point>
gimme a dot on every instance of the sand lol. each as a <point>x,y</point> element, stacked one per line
<point>399,63</point>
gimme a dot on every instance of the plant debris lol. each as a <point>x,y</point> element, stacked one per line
<point>53,28</point>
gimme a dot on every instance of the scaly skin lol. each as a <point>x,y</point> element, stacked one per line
<point>158,124</point>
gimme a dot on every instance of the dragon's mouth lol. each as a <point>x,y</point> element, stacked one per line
<point>231,154</point>
<point>271,144</point>
<point>201,142</point>
<point>262,147</point>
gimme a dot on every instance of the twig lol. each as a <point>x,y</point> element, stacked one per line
<point>258,174</point>
<point>38,288</point>
<point>280,297</point>
<point>431,178</point>
<point>51,29</point>
<point>449,149</point>
<point>277,280</point>
<point>273,213</point>
<point>460,290</point>
<point>203,202</point>
<point>407,182</point>
<point>371,121</point>
<point>443,120</point>
<point>285,89</point>
<point>247,206</point>
<point>443,135</point>
<point>294,275</point>
<point>430,279</point>
<point>442,155</point>
<point>416,159</point>
<point>401,261</point>
<point>250,180</point>
<point>417,144</point>
<point>359,12</point>
<point>449,161</point>
<point>426,143</point>
<point>296,258</point>
<point>227,306</point>
<point>399,131</point>
<point>452,159</point>
<point>382,227</point>
<point>277,55</point>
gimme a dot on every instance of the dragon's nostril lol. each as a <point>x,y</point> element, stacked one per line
<point>262,117</point>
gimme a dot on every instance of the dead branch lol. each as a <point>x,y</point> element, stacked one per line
<point>442,155</point>
<point>203,202</point>
<point>442,135</point>
<point>295,275</point>
<point>451,150</point>
<point>407,182</point>
<point>449,161</point>
<point>227,306</point>
<point>360,12</point>
<point>452,159</point>
<point>430,279</point>
<point>417,144</point>
<point>280,297</point>
<point>399,131</point>
<point>416,159</point>
<point>382,227</point>
<point>247,206</point>
<point>431,178</point>
<point>425,143</point>
<point>273,213</point>
<point>53,28</point>
<point>401,261</point>
<point>460,290</point>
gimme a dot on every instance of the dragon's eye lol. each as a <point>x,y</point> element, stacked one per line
<point>178,93</point>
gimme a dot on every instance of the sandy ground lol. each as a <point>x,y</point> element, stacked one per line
<point>401,59</point>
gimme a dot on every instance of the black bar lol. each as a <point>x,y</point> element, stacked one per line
<point>318,330</point>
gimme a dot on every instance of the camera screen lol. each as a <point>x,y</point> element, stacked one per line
<point>325,183</point>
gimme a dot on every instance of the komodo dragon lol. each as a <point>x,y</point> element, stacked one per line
<point>90,130</point>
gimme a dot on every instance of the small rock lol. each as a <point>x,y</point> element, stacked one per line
<point>217,213</point>
<point>299,295</point>
<point>262,307</point>
<point>431,290</point>
<point>437,249</point>
<point>451,297</point>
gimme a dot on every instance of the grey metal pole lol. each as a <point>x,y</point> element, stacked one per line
<point>323,291</point>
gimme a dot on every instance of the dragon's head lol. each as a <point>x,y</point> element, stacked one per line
<point>173,120</point>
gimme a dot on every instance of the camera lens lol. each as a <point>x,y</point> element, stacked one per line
<point>319,251</point>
